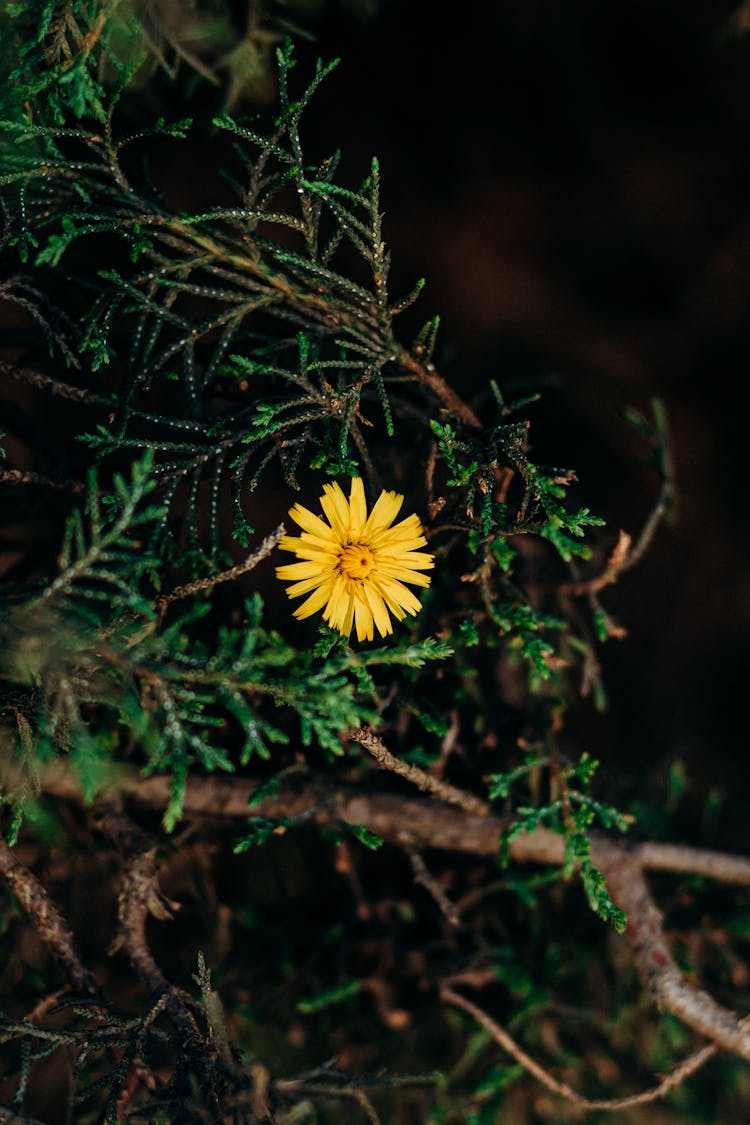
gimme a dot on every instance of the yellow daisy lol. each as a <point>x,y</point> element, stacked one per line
<point>356,565</point>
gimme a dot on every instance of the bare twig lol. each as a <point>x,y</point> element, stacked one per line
<point>653,957</point>
<point>616,564</point>
<point>16,1119</point>
<point>682,859</point>
<point>427,782</point>
<point>50,383</point>
<point>334,1083</point>
<point>674,1079</point>
<point>627,554</point>
<point>47,919</point>
<point>431,885</point>
<point>230,575</point>
<point>419,822</point>
<point>139,896</point>
<point>447,744</point>
<point>427,375</point>
<point>430,825</point>
<point>22,476</point>
<point>423,823</point>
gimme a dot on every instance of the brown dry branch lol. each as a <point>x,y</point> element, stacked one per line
<point>325,1082</point>
<point>429,824</point>
<point>674,1079</point>
<point>367,1107</point>
<point>139,896</point>
<point>431,885</point>
<point>49,383</point>
<point>656,966</point>
<point>426,374</point>
<point>46,918</point>
<point>612,571</point>
<point>21,476</point>
<point>427,782</point>
<point>447,744</point>
<point>680,858</point>
<point>229,575</point>
<point>626,554</point>
<point>424,823</point>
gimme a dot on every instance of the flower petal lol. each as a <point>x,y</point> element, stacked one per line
<point>357,509</point>
<point>399,593</point>
<point>417,560</point>
<point>307,549</point>
<point>377,609</point>
<point>384,511</point>
<point>308,584</point>
<point>338,604</point>
<point>334,504</point>
<point>398,612</point>
<point>407,529</point>
<point>311,523</point>
<point>315,602</point>
<point>346,628</point>
<point>294,571</point>
<point>363,618</point>
<point>393,570</point>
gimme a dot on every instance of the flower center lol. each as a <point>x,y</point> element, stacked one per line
<point>356,561</point>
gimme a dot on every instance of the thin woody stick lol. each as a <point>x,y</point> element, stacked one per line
<point>653,958</point>
<point>674,1079</point>
<point>442,827</point>
<point>431,885</point>
<point>427,782</point>
<point>626,553</point>
<point>48,921</point>
<point>139,896</point>
<point>230,575</point>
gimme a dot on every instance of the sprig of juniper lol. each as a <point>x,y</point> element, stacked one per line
<point>290,350</point>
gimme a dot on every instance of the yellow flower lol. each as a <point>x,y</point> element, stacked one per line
<point>356,565</point>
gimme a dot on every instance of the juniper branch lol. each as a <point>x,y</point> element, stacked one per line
<point>46,918</point>
<point>138,896</point>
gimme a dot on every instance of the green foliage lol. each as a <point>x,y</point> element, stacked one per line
<point>365,836</point>
<point>70,57</point>
<point>306,400</point>
<point>100,1044</point>
<point>571,811</point>
<point>491,525</point>
<point>184,698</point>
<point>331,996</point>
<point>471,464</point>
<point>261,829</point>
